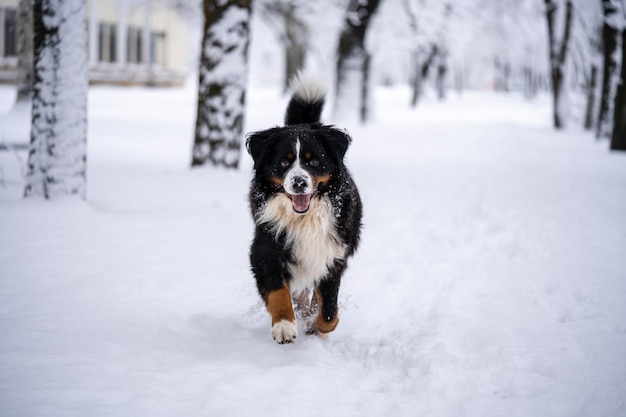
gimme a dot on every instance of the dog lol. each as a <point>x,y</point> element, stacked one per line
<point>307,214</point>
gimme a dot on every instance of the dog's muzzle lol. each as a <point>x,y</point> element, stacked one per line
<point>299,189</point>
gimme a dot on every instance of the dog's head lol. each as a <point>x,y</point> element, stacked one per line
<point>300,160</point>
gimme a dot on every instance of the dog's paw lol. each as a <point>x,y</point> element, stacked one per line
<point>284,332</point>
<point>321,327</point>
<point>311,329</point>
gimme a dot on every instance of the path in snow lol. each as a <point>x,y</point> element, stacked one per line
<point>490,280</point>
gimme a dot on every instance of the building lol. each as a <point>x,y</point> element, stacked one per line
<point>131,42</point>
<point>8,41</point>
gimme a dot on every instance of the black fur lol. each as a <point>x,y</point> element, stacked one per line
<point>300,111</point>
<point>271,257</point>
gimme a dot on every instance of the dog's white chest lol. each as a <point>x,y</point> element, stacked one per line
<point>313,238</point>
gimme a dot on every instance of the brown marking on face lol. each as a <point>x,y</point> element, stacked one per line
<point>290,156</point>
<point>279,305</point>
<point>278,181</point>
<point>321,180</point>
<point>322,325</point>
<point>307,155</point>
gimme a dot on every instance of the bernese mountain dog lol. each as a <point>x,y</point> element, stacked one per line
<point>307,214</point>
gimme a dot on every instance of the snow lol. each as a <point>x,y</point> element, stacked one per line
<point>490,279</point>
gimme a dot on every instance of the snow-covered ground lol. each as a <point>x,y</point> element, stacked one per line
<point>490,281</point>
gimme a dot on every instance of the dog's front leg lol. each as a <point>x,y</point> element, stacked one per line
<point>327,292</point>
<point>279,305</point>
<point>268,261</point>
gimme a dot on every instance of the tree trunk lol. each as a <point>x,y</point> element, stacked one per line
<point>459,79</point>
<point>611,38</point>
<point>296,44</point>
<point>416,79</point>
<point>558,55</point>
<point>365,89</point>
<point>285,18</point>
<point>353,62</point>
<point>222,83</point>
<point>591,97</point>
<point>57,160</point>
<point>25,51</point>
<point>503,73</point>
<point>442,71</point>
<point>530,87</point>
<point>422,69</point>
<point>497,65</point>
<point>618,137</point>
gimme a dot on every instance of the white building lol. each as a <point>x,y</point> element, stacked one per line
<point>131,42</point>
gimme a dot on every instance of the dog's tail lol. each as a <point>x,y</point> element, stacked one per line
<point>307,101</point>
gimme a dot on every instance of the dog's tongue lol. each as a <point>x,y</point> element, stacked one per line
<point>301,202</point>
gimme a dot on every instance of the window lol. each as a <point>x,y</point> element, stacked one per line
<point>8,33</point>
<point>107,42</point>
<point>157,55</point>
<point>133,49</point>
<point>135,46</point>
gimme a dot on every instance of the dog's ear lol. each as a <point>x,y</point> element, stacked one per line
<point>337,142</point>
<point>259,144</point>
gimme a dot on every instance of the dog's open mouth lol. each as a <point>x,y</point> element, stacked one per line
<point>300,202</point>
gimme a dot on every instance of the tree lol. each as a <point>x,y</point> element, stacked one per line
<point>558,56</point>
<point>353,61</point>
<point>286,18</point>
<point>222,83</point>
<point>25,51</point>
<point>473,43</point>
<point>586,53</point>
<point>611,39</point>
<point>57,159</point>
<point>591,97</point>
<point>428,48</point>
<point>442,62</point>
<point>618,136</point>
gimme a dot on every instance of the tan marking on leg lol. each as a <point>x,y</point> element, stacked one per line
<point>279,305</point>
<point>322,325</point>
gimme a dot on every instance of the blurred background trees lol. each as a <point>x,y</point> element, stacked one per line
<point>571,49</point>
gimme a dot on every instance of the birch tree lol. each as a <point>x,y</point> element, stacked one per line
<point>222,83</point>
<point>58,148</point>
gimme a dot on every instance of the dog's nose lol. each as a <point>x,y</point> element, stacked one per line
<point>299,184</point>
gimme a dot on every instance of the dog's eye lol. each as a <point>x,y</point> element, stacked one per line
<point>284,163</point>
<point>314,162</point>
